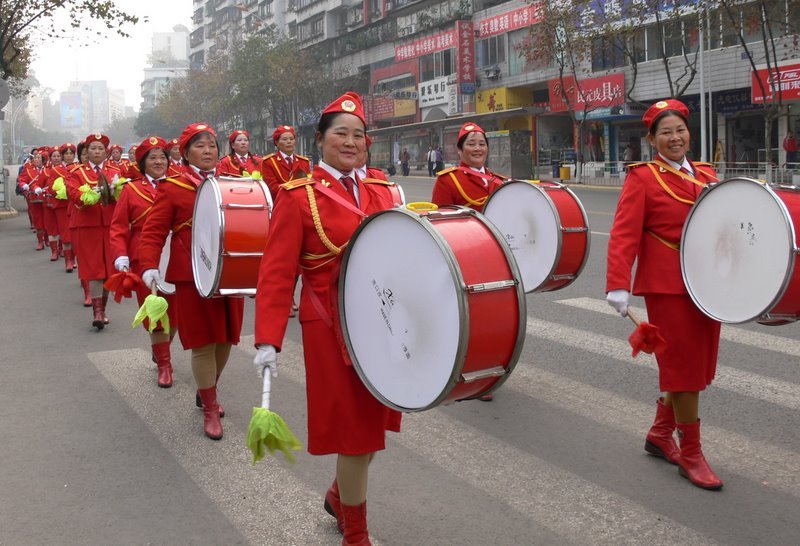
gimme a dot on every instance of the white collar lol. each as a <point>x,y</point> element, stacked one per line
<point>677,166</point>
<point>337,174</point>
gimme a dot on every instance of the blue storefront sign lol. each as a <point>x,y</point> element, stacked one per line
<point>728,102</point>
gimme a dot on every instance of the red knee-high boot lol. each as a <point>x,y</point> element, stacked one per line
<point>39,239</point>
<point>333,505</point>
<point>53,251</point>
<point>692,463</point>
<point>87,294</point>
<point>660,439</point>
<point>105,302</point>
<point>69,260</point>
<point>355,525</point>
<point>161,352</point>
<point>211,422</point>
<point>97,310</point>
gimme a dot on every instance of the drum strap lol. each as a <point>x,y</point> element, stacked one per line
<point>321,311</point>
<point>277,170</point>
<point>467,198</point>
<point>176,228</point>
<point>673,246</point>
<point>667,188</point>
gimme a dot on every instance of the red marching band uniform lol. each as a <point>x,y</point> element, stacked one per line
<point>279,168</point>
<point>33,177</point>
<point>57,208</point>
<point>135,203</point>
<point>90,224</point>
<point>235,165</point>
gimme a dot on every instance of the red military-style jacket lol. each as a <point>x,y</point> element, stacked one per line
<point>647,228</point>
<point>54,172</point>
<point>276,171</point>
<point>134,205</point>
<point>315,245</point>
<point>231,166</point>
<point>464,186</point>
<point>35,178</point>
<point>90,215</point>
<point>172,211</point>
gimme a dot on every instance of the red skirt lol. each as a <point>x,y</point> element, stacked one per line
<point>343,417</point>
<point>689,362</point>
<point>93,250</point>
<point>207,320</point>
<point>36,211</point>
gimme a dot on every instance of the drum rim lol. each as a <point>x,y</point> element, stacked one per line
<point>162,283</point>
<point>463,309</point>
<point>791,261</point>
<point>212,183</point>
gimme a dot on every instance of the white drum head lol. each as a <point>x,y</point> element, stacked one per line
<point>207,231</point>
<point>163,286</point>
<point>529,223</point>
<point>400,310</point>
<point>736,250</point>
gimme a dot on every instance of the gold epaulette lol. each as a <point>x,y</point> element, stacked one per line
<point>183,185</point>
<point>264,157</point>
<point>301,156</point>
<point>297,183</point>
<point>704,163</point>
<point>377,181</point>
<point>634,165</point>
<point>445,171</point>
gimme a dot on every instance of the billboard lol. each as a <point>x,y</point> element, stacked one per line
<point>71,110</point>
<point>785,78</point>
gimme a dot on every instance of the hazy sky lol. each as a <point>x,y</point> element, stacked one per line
<point>119,61</point>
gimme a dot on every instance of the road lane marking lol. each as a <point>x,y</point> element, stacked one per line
<point>561,501</point>
<point>281,508</point>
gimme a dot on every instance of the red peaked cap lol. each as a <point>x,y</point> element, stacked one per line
<point>114,147</point>
<point>468,128</point>
<point>190,131</point>
<point>235,134</point>
<point>349,103</point>
<point>148,144</point>
<point>171,144</point>
<point>97,137</point>
<point>280,130</point>
<point>671,104</point>
<point>67,146</point>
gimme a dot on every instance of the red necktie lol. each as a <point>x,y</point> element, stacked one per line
<point>684,170</point>
<point>289,162</point>
<point>206,174</point>
<point>348,184</point>
<point>97,169</point>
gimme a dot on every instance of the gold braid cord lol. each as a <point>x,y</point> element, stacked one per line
<point>312,202</point>
<point>479,202</point>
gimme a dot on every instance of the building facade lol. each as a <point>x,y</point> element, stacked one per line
<point>169,61</point>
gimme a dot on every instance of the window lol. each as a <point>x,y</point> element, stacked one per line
<point>490,51</point>
<point>673,40</point>
<point>436,65</point>
<point>608,52</point>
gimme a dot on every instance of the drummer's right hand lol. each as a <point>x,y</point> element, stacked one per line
<point>266,357</point>
<point>618,299</point>
<point>25,187</point>
<point>151,276</point>
<point>122,263</point>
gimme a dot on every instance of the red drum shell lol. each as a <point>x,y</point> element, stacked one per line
<point>470,261</point>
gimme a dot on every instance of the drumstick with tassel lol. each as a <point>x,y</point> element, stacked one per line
<point>646,337</point>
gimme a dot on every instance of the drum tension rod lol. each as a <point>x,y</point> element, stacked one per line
<point>242,206</point>
<point>489,286</point>
<point>495,371</point>
<point>574,229</point>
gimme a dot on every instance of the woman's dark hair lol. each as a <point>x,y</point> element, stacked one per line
<point>141,163</point>
<point>194,139</point>
<point>662,115</point>
<point>460,143</point>
<point>326,120</point>
<point>79,150</point>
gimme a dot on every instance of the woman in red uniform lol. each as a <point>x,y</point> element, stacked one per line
<point>135,203</point>
<point>283,165</point>
<point>61,163</point>
<point>174,155</point>
<point>471,182</point>
<point>115,157</point>
<point>313,220</point>
<point>90,222</point>
<point>207,326</point>
<point>32,182</point>
<point>653,206</point>
<point>240,160</point>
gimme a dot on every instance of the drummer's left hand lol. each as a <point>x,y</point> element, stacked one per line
<point>266,357</point>
<point>618,299</point>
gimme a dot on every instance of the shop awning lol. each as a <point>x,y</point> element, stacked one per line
<point>457,120</point>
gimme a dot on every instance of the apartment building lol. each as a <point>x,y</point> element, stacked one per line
<point>425,66</point>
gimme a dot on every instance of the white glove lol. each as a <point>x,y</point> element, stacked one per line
<point>25,187</point>
<point>38,191</point>
<point>150,276</point>
<point>97,190</point>
<point>266,358</point>
<point>122,263</point>
<point>618,299</point>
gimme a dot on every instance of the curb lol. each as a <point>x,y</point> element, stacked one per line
<point>6,214</point>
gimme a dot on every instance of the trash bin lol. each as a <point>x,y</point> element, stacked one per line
<point>556,166</point>
<point>563,173</point>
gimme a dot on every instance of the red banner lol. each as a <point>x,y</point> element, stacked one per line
<point>423,46</point>
<point>785,78</point>
<point>510,20</point>
<point>587,94</point>
<point>465,52</point>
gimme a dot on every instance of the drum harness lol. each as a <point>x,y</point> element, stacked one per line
<point>481,200</point>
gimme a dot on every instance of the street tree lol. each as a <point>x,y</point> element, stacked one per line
<point>26,22</point>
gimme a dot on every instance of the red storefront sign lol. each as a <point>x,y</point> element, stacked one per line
<point>785,78</point>
<point>382,108</point>
<point>423,46</point>
<point>587,94</point>
<point>465,53</point>
<point>510,20</point>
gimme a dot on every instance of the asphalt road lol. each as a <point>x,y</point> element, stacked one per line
<point>94,453</point>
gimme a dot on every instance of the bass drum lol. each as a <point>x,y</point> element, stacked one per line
<point>547,229</point>
<point>431,307</point>
<point>163,286</point>
<point>229,232</point>
<point>739,252</point>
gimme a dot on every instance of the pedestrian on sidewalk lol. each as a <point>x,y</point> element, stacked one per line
<point>405,157</point>
<point>431,159</point>
<point>790,147</point>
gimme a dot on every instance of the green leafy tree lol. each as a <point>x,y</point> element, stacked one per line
<point>24,22</point>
